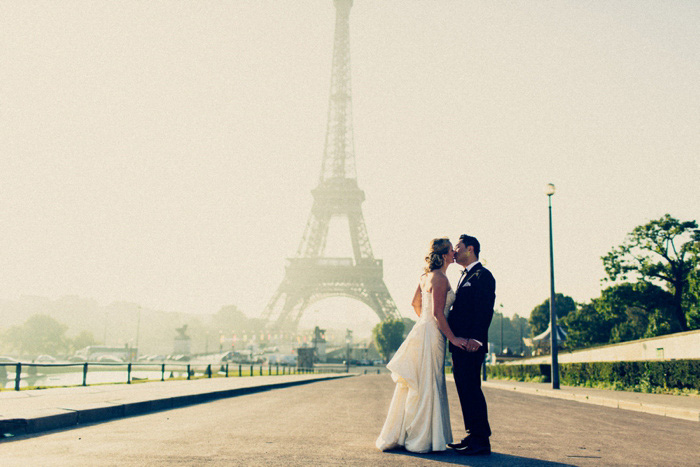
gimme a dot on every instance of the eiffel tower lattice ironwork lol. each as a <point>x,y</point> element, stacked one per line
<point>311,276</point>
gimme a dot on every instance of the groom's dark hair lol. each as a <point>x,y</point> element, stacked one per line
<point>471,241</point>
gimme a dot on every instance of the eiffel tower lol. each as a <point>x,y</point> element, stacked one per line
<point>311,276</point>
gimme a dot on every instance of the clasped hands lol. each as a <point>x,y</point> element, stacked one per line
<point>470,345</point>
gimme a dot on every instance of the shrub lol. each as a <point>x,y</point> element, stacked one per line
<point>642,375</point>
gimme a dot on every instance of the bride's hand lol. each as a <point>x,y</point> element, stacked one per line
<point>460,342</point>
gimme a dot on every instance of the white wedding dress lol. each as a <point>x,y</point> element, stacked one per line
<point>419,417</point>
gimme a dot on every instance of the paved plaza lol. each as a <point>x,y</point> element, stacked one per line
<point>335,422</point>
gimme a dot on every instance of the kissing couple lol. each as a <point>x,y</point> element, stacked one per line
<point>419,415</point>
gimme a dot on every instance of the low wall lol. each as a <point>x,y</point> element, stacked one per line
<point>682,345</point>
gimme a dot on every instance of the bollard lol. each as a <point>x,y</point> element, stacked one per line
<point>85,370</point>
<point>251,370</point>
<point>162,372</point>
<point>227,370</point>
<point>128,373</point>
<point>209,370</point>
<point>483,364</point>
<point>188,371</point>
<point>277,369</point>
<point>18,375</point>
<point>269,369</point>
<point>261,369</point>
<point>240,371</point>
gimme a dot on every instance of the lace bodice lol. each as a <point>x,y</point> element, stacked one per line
<point>427,304</point>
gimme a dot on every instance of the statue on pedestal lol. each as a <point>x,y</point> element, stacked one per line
<point>319,342</point>
<point>182,341</point>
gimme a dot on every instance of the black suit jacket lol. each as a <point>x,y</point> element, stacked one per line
<point>472,311</point>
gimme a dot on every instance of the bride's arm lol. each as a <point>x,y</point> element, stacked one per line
<point>417,302</point>
<point>440,287</point>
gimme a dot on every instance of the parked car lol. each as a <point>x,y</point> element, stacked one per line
<point>288,360</point>
<point>45,359</point>
<point>109,359</point>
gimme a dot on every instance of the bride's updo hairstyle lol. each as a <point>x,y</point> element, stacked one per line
<point>438,248</point>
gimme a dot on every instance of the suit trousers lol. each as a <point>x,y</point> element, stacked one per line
<point>466,367</point>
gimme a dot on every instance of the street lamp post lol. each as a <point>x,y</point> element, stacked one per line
<point>549,190</point>
<point>502,353</point>
<point>348,341</point>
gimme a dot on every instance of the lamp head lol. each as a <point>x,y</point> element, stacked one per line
<point>549,189</point>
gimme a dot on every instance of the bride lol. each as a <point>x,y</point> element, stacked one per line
<point>419,417</point>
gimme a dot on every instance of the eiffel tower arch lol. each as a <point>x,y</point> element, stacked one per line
<point>310,276</point>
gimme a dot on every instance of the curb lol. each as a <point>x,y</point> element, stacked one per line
<point>60,418</point>
<point>654,409</point>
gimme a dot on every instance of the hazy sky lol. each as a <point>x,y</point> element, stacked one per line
<point>164,152</point>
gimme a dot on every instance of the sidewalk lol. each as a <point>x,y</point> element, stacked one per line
<point>683,407</point>
<point>33,411</point>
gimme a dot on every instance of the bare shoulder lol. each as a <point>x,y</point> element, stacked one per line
<point>439,281</point>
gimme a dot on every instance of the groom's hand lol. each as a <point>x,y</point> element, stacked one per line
<point>472,345</point>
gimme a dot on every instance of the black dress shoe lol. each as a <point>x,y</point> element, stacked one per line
<point>476,450</point>
<point>459,445</point>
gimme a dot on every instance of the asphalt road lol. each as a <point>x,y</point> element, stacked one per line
<point>336,423</point>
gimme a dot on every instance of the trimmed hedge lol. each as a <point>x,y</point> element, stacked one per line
<point>671,374</point>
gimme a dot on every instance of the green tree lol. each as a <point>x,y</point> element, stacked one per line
<point>388,336</point>
<point>40,334</point>
<point>514,329</point>
<point>408,324</point>
<point>586,326</point>
<point>539,316</point>
<point>229,318</point>
<point>522,329</point>
<point>623,312</point>
<point>82,340</point>
<point>691,300</point>
<point>663,251</point>
<point>630,307</point>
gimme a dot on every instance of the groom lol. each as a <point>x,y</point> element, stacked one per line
<point>470,318</point>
